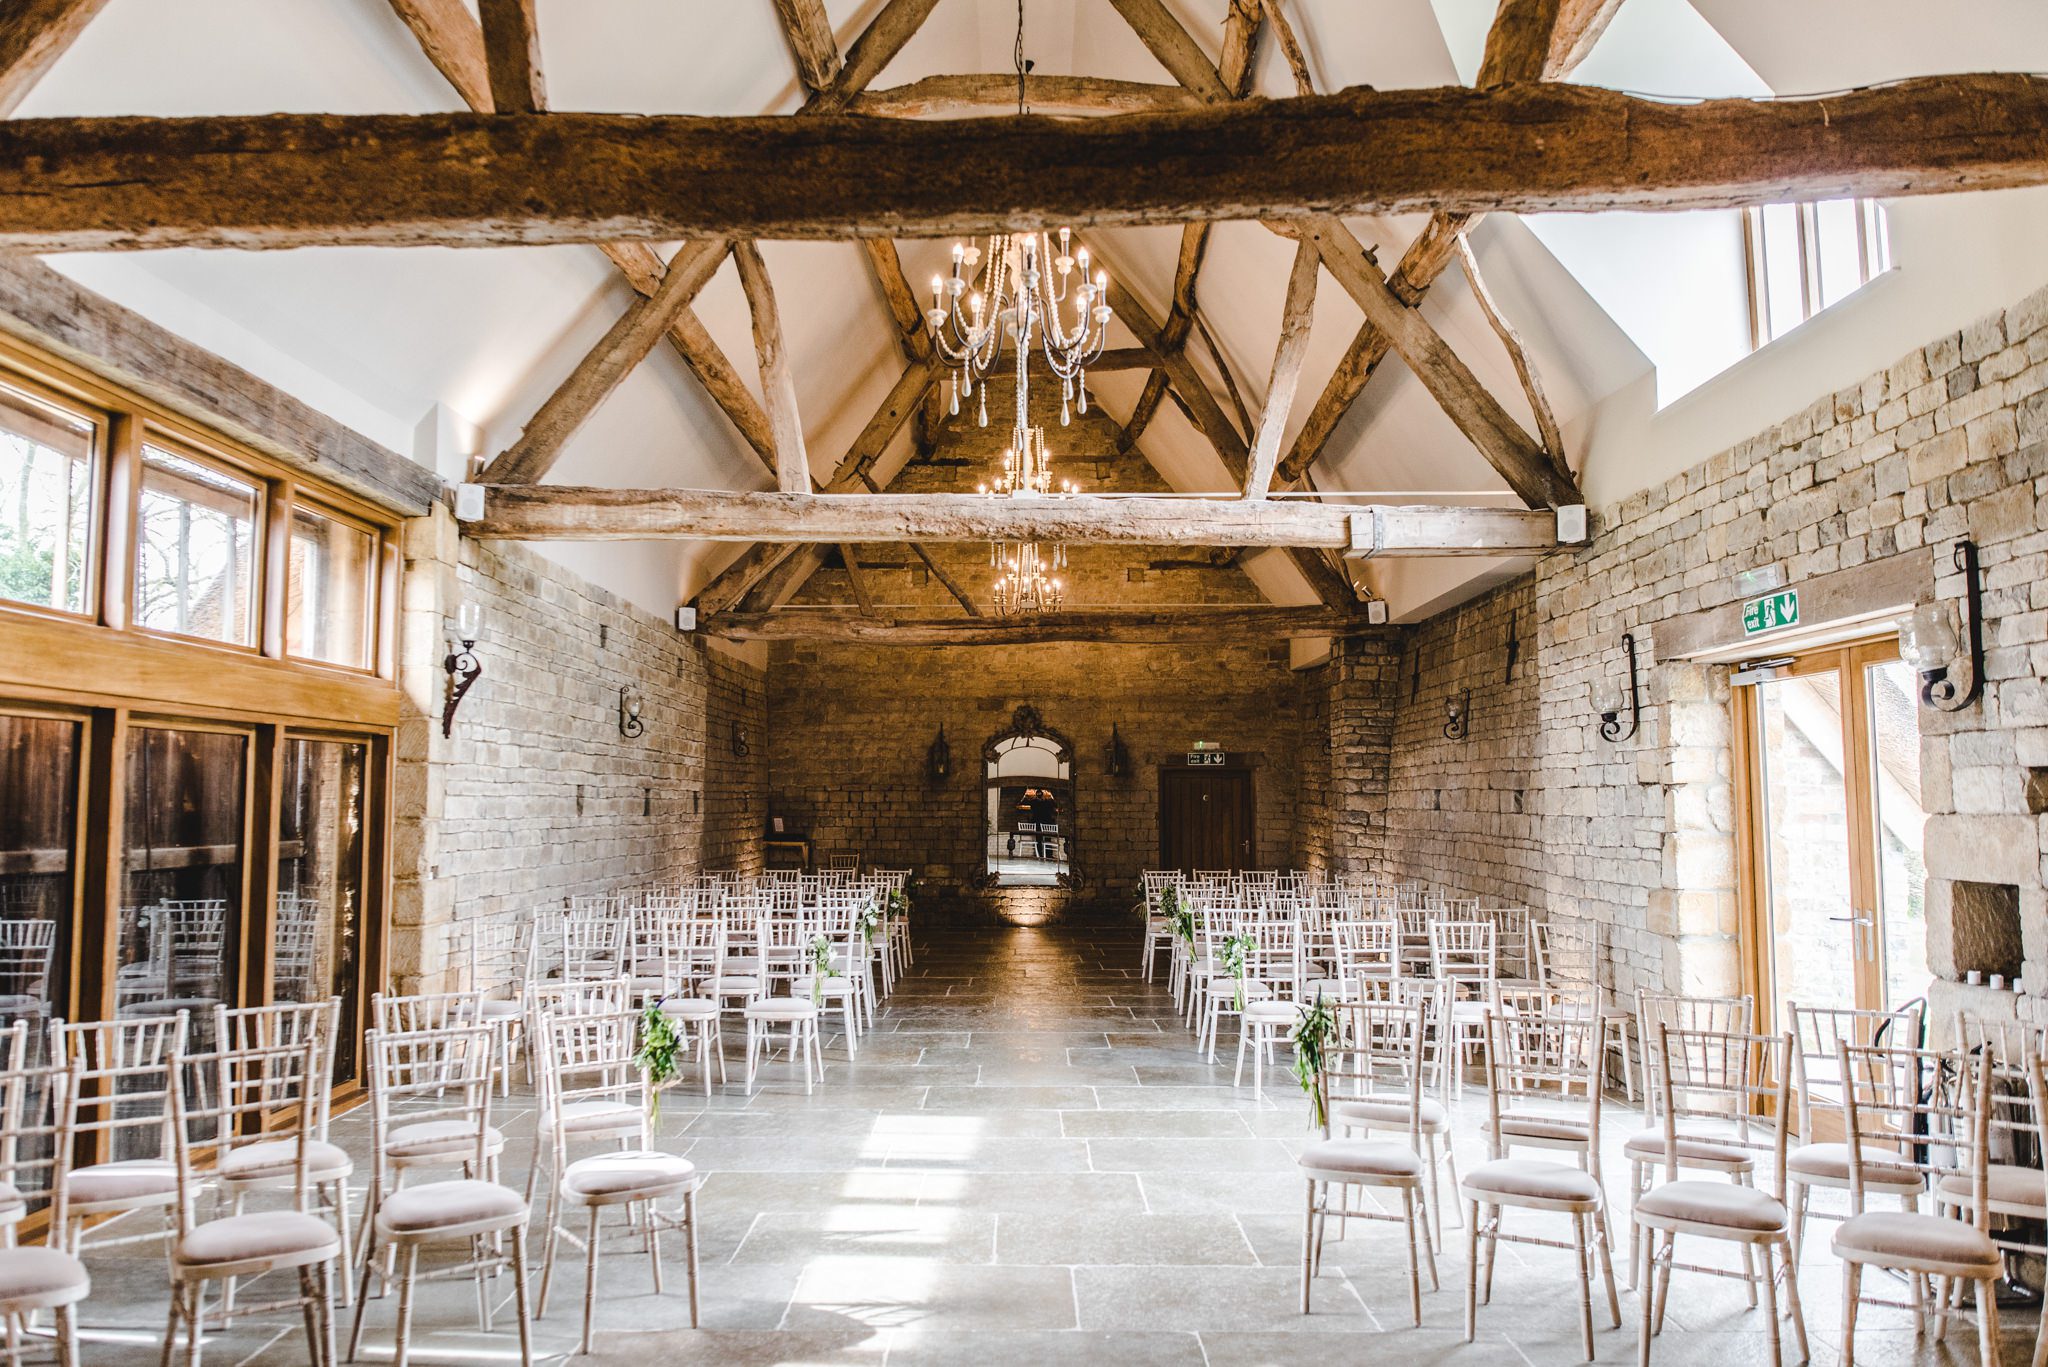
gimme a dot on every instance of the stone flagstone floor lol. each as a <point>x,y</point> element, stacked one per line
<point>1029,1163</point>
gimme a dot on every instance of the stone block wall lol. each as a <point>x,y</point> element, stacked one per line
<point>849,728</point>
<point>538,796</point>
<point>1949,442</point>
<point>1348,716</point>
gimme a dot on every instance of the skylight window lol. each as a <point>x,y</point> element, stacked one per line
<point>1807,257</point>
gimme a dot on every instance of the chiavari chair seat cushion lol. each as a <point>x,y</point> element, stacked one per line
<point>274,1158</point>
<point>129,1179</point>
<point>503,1008</point>
<point>690,1008</point>
<point>1693,1151</point>
<point>1531,1179</point>
<point>1341,1160</point>
<point>41,1277</point>
<point>2009,1190</point>
<point>1818,1164</point>
<point>439,1139</point>
<point>781,1009</point>
<point>1729,1205</point>
<point>738,985</point>
<point>1470,1010</point>
<point>284,1238</point>
<point>1919,1242</point>
<point>1269,1010</point>
<point>448,1205</point>
<point>1390,1113</point>
<point>636,1175</point>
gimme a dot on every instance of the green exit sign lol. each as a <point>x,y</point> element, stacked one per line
<point>1770,612</point>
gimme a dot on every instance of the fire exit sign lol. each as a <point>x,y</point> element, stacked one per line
<point>1768,613</point>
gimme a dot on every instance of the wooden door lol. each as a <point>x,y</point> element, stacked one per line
<point>1205,819</point>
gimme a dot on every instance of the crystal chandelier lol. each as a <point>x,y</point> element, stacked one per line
<point>1027,575</point>
<point>1018,288</point>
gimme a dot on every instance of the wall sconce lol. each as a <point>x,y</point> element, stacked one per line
<point>630,725</point>
<point>462,665</point>
<point>1458,715</point>
<point>1607,699</point>
<point>739,742</point>
<point>1927,639</point>
<point>938,760</point>
<point>1115,757</point>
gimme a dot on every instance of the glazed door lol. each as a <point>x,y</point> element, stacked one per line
<point>1205,819</point>
<point>1830,780</point>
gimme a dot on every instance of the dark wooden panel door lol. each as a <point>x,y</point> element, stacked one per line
<point>1205,819</point>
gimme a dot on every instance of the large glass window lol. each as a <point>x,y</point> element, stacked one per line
<point>181,874</point>
<point>317,935</point>
<point>38,835</point>
<point>46,501</point>
<point>327,616</point>
<point>1807,257</point>
<point>195,549</point>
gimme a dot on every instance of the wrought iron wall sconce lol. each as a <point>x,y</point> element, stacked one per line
<point>1927,639</point>
<point>464,669</point>
<point>630,724</point>
<point>1116,759</point>
<point>1607,699</point>
<point>739,741</point>
<point>1458,715</point>
<point>938,760</point>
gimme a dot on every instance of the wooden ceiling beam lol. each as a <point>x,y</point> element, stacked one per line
<point>1176,626</point>
<point>1530,40</point>
<point>952,585</point>
<point>995,92</point>
<point>453,40</point>
<point>854,575</point>
<point>778,383</point>
<point>512,56</point>
<point>33,35</point>
<point>1296,314</point>
<point>1549,438</point>
<point>809,33</point>
<point>569,513</point>
<point>292,180</point>
<point>602,369</point>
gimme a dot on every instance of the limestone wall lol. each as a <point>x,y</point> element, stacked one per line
<point>538,796</point>
<point>1949,442</point>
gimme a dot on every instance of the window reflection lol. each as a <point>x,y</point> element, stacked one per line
<point>194,552</point>
<point>317,934</point>
<point>327,613</point>
<point>1029,801</point>
<point>181,878</point>
<point>39,759</point>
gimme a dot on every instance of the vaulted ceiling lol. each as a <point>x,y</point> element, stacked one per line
<point>447,353</point>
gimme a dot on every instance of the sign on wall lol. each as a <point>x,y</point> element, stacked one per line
<point>1199,757</point>
<point>1770,612</point>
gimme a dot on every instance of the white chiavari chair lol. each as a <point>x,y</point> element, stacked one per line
<point>1463,957</point>
<point>1537,1054</point>
<point>1273,966</point>
<point>1376,1057</point>
<point>787,952</point>
<point>35,1159</point>
<point>1158,932</point>
<point>692,990</point>
<point>121,1110</point>
<point>1821,1160</point>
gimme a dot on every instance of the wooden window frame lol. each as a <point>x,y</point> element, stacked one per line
<point>375,610</point>
<point>33,388</point>
<point>1871,232</point>
<point>260,589</point>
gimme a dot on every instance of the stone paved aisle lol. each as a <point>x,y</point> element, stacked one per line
<point>1030,1164</point>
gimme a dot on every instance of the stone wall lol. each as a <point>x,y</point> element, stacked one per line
<point>538,796</point>
<point>850,725</point>
<point>1348,725</point>
<point>1872,484</point>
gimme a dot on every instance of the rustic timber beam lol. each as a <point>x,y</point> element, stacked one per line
<point>792,463</point>
<point>1176,626</point>
<point>624,345</point>
<point>996,92</point>
<point>1510,450</point>
<point>454,42</point>
<point>1295,316</point>
<point>1518,47</point>
<point>33,35</point>
<point>527,512</point>
<point>452,39</point>
<point>53,313</point>
<point>810,40</point>
<point>512,56</point>
<point>291,180</point>
<point>951,585</point>
<point>1547,433</point>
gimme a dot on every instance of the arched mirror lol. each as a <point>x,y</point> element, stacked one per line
<point>1029,801</point>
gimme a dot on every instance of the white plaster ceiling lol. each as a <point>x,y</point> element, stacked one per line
<point>386,340</point>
